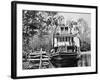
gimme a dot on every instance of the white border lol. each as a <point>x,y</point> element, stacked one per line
<point>36,72</point>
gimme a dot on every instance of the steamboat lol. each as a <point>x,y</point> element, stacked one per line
<point>66,47</point>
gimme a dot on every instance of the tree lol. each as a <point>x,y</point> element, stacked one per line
<point>50,21</point>
<point>82,30</point>
<point>85,34</point>
<point>36,24</point>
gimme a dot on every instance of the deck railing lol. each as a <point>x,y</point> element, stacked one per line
<point>39,59</point>
<point>85,59</point>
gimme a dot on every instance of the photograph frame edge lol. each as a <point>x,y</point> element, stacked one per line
<point>14,38</point>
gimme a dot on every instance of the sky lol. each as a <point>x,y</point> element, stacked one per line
<point>75,16</point>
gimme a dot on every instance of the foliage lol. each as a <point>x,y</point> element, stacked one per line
<point>84,33</point>
<point>84,30</point>
<point>85,46</point>
<point>37,24</point>
<point>40,26</point>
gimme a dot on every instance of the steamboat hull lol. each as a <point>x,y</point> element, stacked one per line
<point>65,60</point>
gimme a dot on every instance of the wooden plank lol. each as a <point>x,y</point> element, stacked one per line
<point>35,53</point>
<point>38,59</point>
<point>88,52</point>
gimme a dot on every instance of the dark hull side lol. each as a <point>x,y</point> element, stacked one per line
<point>65,60</point>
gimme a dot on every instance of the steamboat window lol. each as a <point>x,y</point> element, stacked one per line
<point>57,39</point>
<point>66,38</point>
<point>61,39</point>
<point>66,28</point>
<point>72,39</point>
<point>62,28</point>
